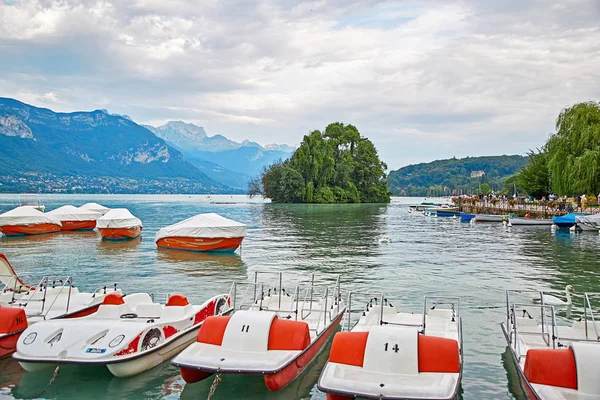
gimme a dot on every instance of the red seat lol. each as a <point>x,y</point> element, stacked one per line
<point>288,335</point>
<point>177,300</point>
<point>113,299</point>
<point>349,348</point>
<point>554,367</point>
<point>213,329</point>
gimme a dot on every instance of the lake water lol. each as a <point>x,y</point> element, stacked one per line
<point>427,256</point>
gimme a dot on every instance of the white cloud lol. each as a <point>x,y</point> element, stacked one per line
<point>423,79</point>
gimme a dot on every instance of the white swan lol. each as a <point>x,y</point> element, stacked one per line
<point>555,301</point>
<point>385,239</point>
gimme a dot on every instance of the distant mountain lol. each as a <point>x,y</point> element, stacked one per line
<point>246,158</point>
<point>235,180</point>
<point>95,144</point>
<point>454,175</point>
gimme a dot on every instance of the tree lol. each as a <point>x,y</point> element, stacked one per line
<point>337,165</point>
<point>574,150</point>
<point>535,177</point>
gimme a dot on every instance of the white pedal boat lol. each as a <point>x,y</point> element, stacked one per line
<point>128,334</point>
<point>22,305</point>
<point>276,334</point>
<point>398,356</point>
<point>555,362</point>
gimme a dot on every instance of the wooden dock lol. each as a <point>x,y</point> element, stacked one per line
<point>519,210</point>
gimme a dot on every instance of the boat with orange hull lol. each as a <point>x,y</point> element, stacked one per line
<point>202,232</point>
<point>200,244</point>
<point>27,220</point>
<point>397,355</point>
<point>119,224</point>
<point>276,334</point>
<point>22,305</point>
<point>120,233</point>
<point>74,218</point>
<point>36,229</point>
<point>554,362</point>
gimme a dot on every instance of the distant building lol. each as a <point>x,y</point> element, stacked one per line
<point>477,174</point>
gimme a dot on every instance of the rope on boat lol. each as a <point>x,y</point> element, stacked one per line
<point>52,380</point>
<point>213,386</point>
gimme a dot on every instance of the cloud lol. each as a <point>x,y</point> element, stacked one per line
<point>422,79</point>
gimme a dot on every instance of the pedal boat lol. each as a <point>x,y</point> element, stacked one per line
<point>397,355</point>
<point>555,362</point>
<point>22,305</point>
<point>27,220</point>
<point>203,232</point>
<point>119,224</point>
<point>75,219</point>
<point>128,334</point>
<point>276,335</point>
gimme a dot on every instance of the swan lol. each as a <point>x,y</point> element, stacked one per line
<point>385,239</point>
<point>555,301</point>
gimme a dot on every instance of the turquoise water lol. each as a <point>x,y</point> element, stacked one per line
<point>427,256</point>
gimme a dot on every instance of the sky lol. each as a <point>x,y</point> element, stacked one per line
<point>422,79</point>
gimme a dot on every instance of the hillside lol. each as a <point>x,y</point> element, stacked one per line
<point>38,144</point>
<point>454,175</point>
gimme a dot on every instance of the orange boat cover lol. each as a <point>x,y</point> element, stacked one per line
<point>213,329</point>
<point>288,335</point>
<point>177,300</point>
<point>349,348</point>
<point>437,354</point>
<point>554,367</point>
<point>113,299</point>
<point>12,320</point>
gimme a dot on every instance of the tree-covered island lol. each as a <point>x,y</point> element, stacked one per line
<point>337,165</point>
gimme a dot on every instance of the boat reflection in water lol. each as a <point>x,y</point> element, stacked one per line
<point>108,246</point>
<point>512,376</point>
<point>253,387</point>
<point>161,381</point>
<point>203,263</point>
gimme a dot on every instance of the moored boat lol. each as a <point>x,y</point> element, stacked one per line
<point>276,333</point>
<point>202,232</point>
<point>75,219</point>
<point>22,305</point>
<point>554,362</point>
<point>566,221</point>
<point>489,218</point>
<point>119,224</point>
<point>27,220</point>
<point>95,207</point>
<point>128,334</point>
<point>466,217</point>
<point>515,221</point>
<point>392,354</point>
<point>588,222</point>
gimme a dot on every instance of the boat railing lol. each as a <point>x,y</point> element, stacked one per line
<point>452,301</point>
<point>588,315</point>
<point>253,294</point>
<point>549,331</point>
<point>11,284</point>
<point>63,283</point>
<point>350,310</point>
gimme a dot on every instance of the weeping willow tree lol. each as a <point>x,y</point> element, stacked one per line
<point>337,165</point>
<point>573,152</point>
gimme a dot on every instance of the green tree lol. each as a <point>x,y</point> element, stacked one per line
<point>535,177</point>
<point>337,165</point>
<point>574,150</point>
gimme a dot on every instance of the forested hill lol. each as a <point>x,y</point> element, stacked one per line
<point>454,176</point>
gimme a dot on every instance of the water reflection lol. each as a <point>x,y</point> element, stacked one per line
<point>204,263</point>
<point>110,246</point>
<point>512,375</point>
<point>253,387</point>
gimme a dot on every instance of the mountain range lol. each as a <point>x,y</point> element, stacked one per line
<point>39,145</point>
<point>220,158</point>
